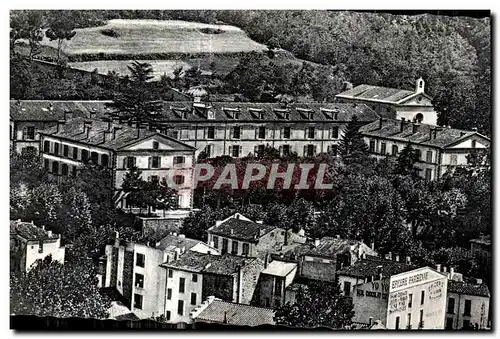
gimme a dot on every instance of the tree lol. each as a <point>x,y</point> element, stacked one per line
<point>320,304</point>
<point>61,27</point>
<point>53,289</point>
<point>137,102</point>
<point>27,25</point>
<point>26,168</point>
<point>197,223</point>
<point>406,162</point>
<point>273,44</point>
<point>76,213</point>
<point>352,143</point>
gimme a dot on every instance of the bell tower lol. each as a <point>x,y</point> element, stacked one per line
<point>420,85</point>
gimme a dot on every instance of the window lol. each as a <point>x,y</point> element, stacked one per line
<point>473,143</point>
<point>65,150</point>
<point>139,259</point>
<point>210,132</point>
<point>156,145</point>
<point>449,323</point>
<point>428,174</point>
<point>155,162</point>
<point>246,249</point>
<point>85,155</point>
<point>56,148</point>
<point>310,132</point>
<point>129,162</point>
<point>467,307</point>
<point>347,288</point>
<point>64,169</point>
<point>75,153</point>
<point>372,146</point>
<point>178,160</point>
<point>182,283</point>
<point>234,151</point>
<point>418,154</point>
<point>29,133</point>
<point>40,247</point>
<point>46,146</point>
<point>169,293</point>
<point>178,179</point>
<point>310,150</point>
<point>383,147</point>
<point>184,133</point>
<point>451,306</point>
<point>262,132</point>
<point>224,245</point>
<point>73,171</point>
<point>421,321</point>
<point>55,167</point>
<point>278,285</point>
<point>397,323</point>
<point>422,297</point>
<point>195,277</point>
<point>277,303</point>
<point>408,321</point>
<point>104,160</point>
<point>267,302</point>
<point>285,150</point>
<point>286,133</point>
<point>139,280</point>
<point>216,241</point>
<point>180,307</point>
<point>234,247</point>
<point>175,134</point>
<point>395,150</point>
<point>259,150</point>
<point>453,159</point>
<point>94,157</point>
<point>193,298</point>
<point>335,133</point>
<point>168,315</point>
<point>428,156</point>
<point>236,132</point>
<point>170,273</point>
<point>46,164</point>
<point>138,301</point>
<point>410,300</point>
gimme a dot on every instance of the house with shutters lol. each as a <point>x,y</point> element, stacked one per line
<point>393,103</point>
<point>438,149</point>
<point>119,147</point>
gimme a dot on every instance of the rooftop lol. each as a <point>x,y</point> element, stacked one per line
<point>330,246</point>
<point>391,129</point>
<point>240,229</point>
<point>368,267</point>
<point>485,240</point>
<point>190,261</point>
<point>226,264</point>
<point>178,111</point>
<point>171,242</point>
<point>468,288</point>
<point>376,93</point>
<point>236,314</point>
<point>279,268</point>
<point>29,231</point>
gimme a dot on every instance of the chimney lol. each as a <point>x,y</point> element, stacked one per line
<point>479,281</point>
<point>462,133</point>
<point>51,107</point>
<point>390,255</point>
<point>60,123</point>
<point>379,272</point>
<point>43,226</point>
<point>474,129</point>
<point>363,256</point>
<point>232,231</point>
<point>302,233</point>
<point>416,127</point>
<point>452,271</point>
<point>444,269</point>
<point>438,267</point>
<point>117,239</point>
<point>408,260</point>
<point>397,258</point>
<point>49,234</point>
<point>430,133</point>
<point>174,234</point>
<point>182,236</point>
<point>337,236</point>
<point>373,246</point>
<point>380,123</point>
<point>316,242</point>
<point>115,129</point>
<point>259,222</point>
<point>402,125</point>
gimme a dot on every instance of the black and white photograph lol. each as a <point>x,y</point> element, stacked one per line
<point>269,170</point>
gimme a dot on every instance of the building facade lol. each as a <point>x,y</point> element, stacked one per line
<point>439,150</point>
<point>415,106</point>
<point>30,243</point>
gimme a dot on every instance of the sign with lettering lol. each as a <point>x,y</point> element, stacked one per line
<point>413,278</point>
<point>398,301</point>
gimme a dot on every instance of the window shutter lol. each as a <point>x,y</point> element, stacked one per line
<point>231,132</point>
<point>256,132</point>
<point>231,150</point>
<point>305,133</point>
<point>282,133</point>
<point>150,162</point>
<point>281,150</point>
<point>315,149</point>
<point>133,161</point>
<point>240,151</point>
<point>159,162</point>
<point>25,132</point>
<point>305,150</point>
<point>125,162</point>
<point>149,178</point>
<point>328,148</point>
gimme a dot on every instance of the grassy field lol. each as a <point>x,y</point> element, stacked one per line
<point>152,36</point>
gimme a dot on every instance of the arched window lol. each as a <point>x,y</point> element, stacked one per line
<point>55,167</point>
<point>418,154</point>
<point>421,84</point>
<point>419,117</point>
<point>94,157</point>
<point>178,179</point>
<point>46,146</point>
<point>105,160</point>
<point>64,169</point>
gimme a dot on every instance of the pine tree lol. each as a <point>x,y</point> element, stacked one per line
<point>406,162</point>
<point>352,143</point>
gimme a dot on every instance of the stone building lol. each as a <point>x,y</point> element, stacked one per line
<point>412,105</point>
<point>29,243</point>
<point>439,149</point>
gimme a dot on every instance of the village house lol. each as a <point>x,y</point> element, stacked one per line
<point>438,149</point>
<point>239,235</point>
<point>393,103</point>
<point>216,311</point>
<point>134,271</point>
<point>117,147</point>
<point>481,249</point>
<point>29,243</point>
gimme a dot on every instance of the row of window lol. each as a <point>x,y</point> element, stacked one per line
<point>260,133</point>
<point>60,169</point>
<point>234,246</point>
<point>395,151</point>
<point>237,150</point>
<point>138,304</point>
<point>467,307</point>
<point>153,162</point>
<point>408,321</point>
<point>75,153</point>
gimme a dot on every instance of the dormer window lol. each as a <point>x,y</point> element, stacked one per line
<point>180,112</point>
<point>330,114</point>
<point>306,113</point>
<point>257,113</point>
<point>232,113</point>
<point>211,115</point>
<point>282,113</point>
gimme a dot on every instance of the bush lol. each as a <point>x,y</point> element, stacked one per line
<point>110,32</point>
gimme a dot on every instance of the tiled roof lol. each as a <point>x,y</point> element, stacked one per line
<point>29,231</point>
<point>468,288</point>
<point>279,268</point>
<point>368,267</point>
<point>236,314</point>
<point>242,229</point>
<point>170,242</point>
<point>173,111</point>
<point>190,261</point>
<point>329,246</point>
<point>391,129</point>
<point>73,129</point>
<point>226,264</point>
<point>376,93</point>
<point>127,317</point>
<point>53,110</point>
